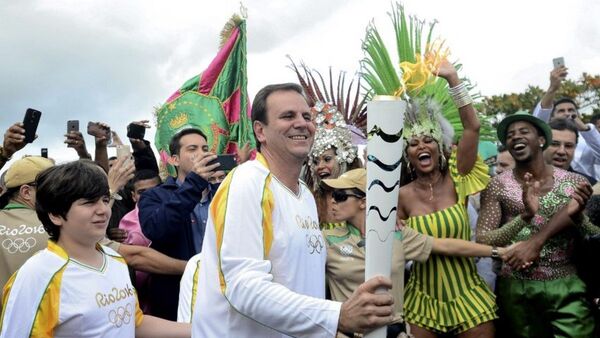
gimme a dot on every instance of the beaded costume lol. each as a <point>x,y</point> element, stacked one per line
<point>552,295</point>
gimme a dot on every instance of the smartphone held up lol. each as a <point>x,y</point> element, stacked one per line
<point>226,162</point>
<point>123,150</point>
<point>72,125</point>
<point>30,124</point>
<point>558,62</point>
<point>136,131</point>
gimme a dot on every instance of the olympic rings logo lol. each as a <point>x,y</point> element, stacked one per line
<point>314,243</point>
<point>122,315</point>
<point>18,245</point>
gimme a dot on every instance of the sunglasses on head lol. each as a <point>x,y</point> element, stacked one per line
<point>342,196</point>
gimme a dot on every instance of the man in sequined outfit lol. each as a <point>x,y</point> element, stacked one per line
<point>539,292</point>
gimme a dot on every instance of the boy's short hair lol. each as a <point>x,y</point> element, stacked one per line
<point>58,187</point>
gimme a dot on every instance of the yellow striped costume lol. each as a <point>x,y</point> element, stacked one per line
<point>445,294</point>
<point>53,295</point>
<point>262,270</point>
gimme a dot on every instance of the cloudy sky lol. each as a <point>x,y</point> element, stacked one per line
<point>114,61</point>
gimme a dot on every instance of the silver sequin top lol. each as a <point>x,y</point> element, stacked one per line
<point>500,224</point>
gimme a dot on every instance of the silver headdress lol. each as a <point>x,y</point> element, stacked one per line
<point>341,124</point>
<point>332,132</point>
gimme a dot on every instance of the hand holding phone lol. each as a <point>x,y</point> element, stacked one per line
<point>99,130</point>
<point>205,166</point>
<point>13,140</point>
<point>136,131</point>
<point>30,124</point>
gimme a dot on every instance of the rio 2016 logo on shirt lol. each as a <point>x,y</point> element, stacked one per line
<point>18,245</point>
<point>21,230</point>
<point>307,223</point>
<point>114,296</point>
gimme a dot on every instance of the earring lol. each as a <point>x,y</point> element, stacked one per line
<point>410,170</point>
<point>541,145</point>
<point>442,162</point>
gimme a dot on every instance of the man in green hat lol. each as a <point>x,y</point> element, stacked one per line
<point>539,293</point>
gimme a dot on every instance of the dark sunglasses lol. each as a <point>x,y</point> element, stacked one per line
<point>341,196</point>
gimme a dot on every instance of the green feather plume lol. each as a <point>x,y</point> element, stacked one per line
<point>382,76</point>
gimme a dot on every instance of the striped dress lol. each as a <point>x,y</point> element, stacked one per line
<point>445,294</point>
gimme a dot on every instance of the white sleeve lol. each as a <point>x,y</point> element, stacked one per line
<point>32,298</point>
<point>245,267</point>
<point>589,152</point>
<point>592,139</point>
<point>542,113</point>
<point>187,291</point>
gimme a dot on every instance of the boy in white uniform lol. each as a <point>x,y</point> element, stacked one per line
<point>76,287</point>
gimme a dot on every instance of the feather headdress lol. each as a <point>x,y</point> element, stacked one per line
<point>413,77</point>
<point>340,115</point>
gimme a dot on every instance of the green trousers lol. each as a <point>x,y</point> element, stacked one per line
<point>554,308</point>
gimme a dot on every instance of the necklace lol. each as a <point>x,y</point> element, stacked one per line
<point>431,184</point>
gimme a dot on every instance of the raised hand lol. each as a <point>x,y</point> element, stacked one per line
<point>14,139</point>
<point>446,69</point>
<point>75,140</point>
<point>138,144</point>
<point>531,197</point>
<point>143,123</point>
<point>116,140</point>
<point>120,173</point>
<point>101,134</point>
<point>581,195</point>
<point>206,171</point>
<point>557,76</point>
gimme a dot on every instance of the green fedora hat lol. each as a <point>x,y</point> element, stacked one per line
<point>524,116</point>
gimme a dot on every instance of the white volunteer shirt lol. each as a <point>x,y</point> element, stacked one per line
<point>262,272</point>
<point>54,296</point>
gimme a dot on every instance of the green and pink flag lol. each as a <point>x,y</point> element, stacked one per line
<point>215,101</point>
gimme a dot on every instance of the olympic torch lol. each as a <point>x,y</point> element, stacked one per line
<point>384,152</point>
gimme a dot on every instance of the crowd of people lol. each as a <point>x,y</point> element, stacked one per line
<point>487,243</point>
